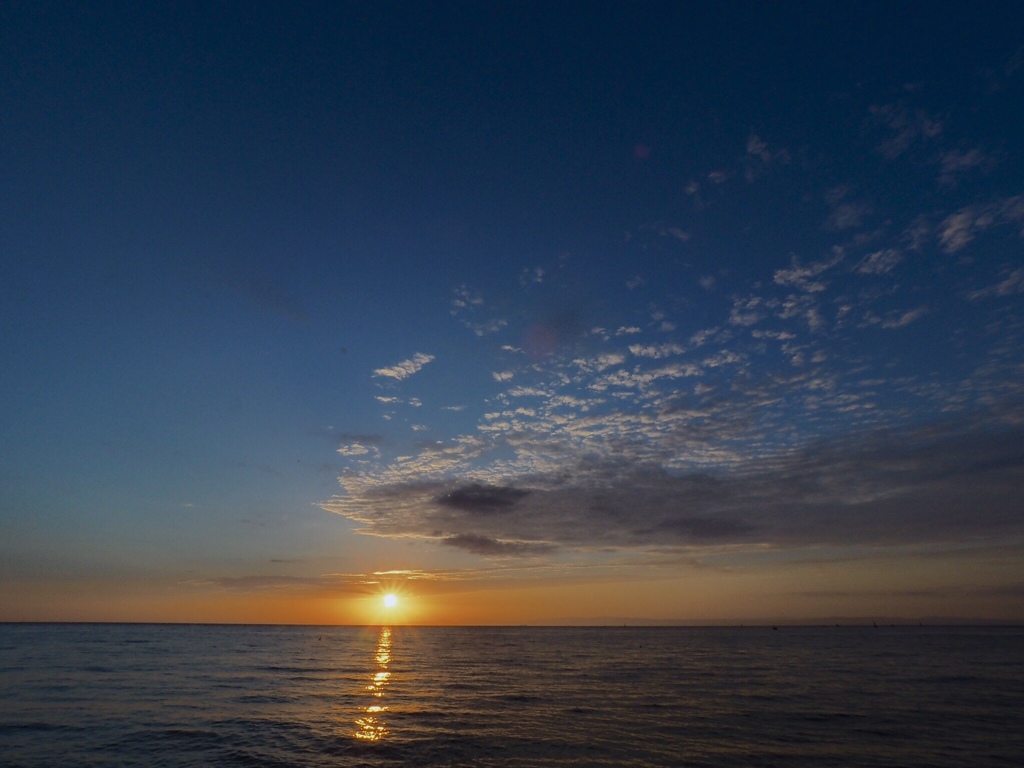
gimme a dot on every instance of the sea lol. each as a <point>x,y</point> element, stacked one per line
<point>210,695</point>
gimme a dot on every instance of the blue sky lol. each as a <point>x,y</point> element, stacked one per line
<point>512,297</point>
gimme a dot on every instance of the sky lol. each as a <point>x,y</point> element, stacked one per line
<point>524,313</point>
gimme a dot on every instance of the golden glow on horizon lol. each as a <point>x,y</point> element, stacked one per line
<point>870,585</point>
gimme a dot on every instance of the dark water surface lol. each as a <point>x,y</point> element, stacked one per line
<point>197,695</point>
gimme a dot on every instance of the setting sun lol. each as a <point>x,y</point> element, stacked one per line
<point>390,601</point>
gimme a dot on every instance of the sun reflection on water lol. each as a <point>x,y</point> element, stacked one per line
<point>371,724</point>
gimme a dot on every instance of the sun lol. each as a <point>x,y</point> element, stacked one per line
<point>390,600</point>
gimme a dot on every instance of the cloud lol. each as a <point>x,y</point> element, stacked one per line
<point>531,275</point>
<point>960,228</point>
<point>484,545</point>
<point>931,484</point>
<point>656,351</point>
<point>479,498</point>
<point>880,262</point>
<point>489,326</point>
<point>804,276</point>
<point>464,298</point>
<point>746,312</point>
<point>901,319</point>
<point>955,163</point>
<point>466,305</point>
<point>905,126</point>
<point>846,216</point>
<point>665,231</point>
<point>406,368</point>
<point>759,158</point>
<point>354,449</point>
<point>1014,283</point>
<point>599,362</point>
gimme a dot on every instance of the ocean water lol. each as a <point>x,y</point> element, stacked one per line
<point>199,695</point>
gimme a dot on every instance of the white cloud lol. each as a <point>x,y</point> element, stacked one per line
<point>880,262</point>
<point>1014,283</point>
<point>599,362</point>
<point>757,147</point>
<point>960,228</point>
<point>528,392</point>
<point>704,335</point>
<point>534,275</point>
<point>353,449</point>
<point>956,162</point>
<point>906,127</point>
<point>656,351</point>
<point>489,326</point>
<point>746,312</point>
<point>803,275</point>
<point>759,157</point>
<point>463,298</point>
<point>406,368</point>
<point>777,335</point>
<point>901,319</point>
<point>846,216</point>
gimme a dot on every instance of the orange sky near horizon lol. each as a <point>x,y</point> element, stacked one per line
<point>879,586</point>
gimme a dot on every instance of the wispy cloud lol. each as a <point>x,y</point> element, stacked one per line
<point>880,262</point>
<point>956,162</point>
<point>759,157</point>
<point>906,126</point>
<point>406,368</point>
<point>901,319</point>
<point>960,228</point>
<point>1014,283</point>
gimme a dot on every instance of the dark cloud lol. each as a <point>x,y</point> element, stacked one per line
<point>706,529</point>
<point>938,483</point>
<point>484,545</point>
<point>482,498</point>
